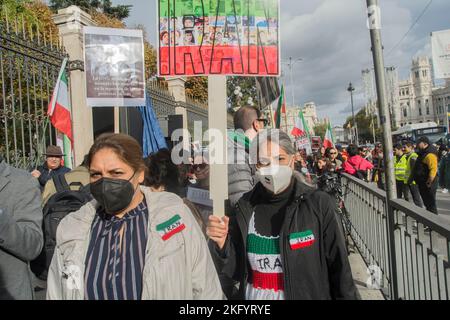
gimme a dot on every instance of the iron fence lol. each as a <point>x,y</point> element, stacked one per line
<point>411,255</point>
<point>29,66</point>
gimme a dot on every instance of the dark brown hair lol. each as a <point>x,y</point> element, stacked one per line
<point>124,146</point>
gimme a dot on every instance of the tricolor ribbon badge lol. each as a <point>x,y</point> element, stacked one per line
<point>171,227</point>
<point>301,240</point>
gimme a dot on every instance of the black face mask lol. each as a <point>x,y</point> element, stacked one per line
<point>114,195</point>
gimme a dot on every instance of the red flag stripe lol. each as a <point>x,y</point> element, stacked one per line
<point>62,121</point>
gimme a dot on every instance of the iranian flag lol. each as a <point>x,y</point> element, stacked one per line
<point>301,239</point>
<point>171,227</point>
<point>280,109</point>
<point>328,141</point>
<point>301,127</point>
<point>59,106</point>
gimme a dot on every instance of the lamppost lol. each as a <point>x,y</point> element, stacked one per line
<point>290,63</point>
<point>351,89</point>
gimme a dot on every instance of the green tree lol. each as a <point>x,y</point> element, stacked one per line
<point>197,88</point>
<point>247,86</point>
<point>320,129</point>
<point>119,12</point>
<point>366,124</point>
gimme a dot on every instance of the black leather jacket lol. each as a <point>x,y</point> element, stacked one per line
<point>318,272</point>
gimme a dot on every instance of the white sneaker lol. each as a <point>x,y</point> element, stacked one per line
<point>444,190</point>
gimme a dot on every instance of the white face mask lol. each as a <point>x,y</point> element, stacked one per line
<point>275,178</point>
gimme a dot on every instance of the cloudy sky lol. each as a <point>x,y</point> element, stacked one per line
<point>332,38</point>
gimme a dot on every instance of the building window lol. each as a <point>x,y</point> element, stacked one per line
<point>405,113</point>
<point>424,73</point>
<point>417,74</point>
<point>407,92</point>
<point>420,111</point>
<point>428,111</point>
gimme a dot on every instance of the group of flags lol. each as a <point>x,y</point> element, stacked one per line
<point>300,130</point>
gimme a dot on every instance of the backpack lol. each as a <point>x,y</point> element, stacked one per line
<point>58,206</point>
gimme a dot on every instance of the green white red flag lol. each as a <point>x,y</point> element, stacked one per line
<point>59,106</point>
<point>301,127</point>
<point>171,227</point>
<point>280,109</point>
<point>328,141</point>
<point>301,239</point>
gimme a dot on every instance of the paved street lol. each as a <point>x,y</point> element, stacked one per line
<point>443,204</point>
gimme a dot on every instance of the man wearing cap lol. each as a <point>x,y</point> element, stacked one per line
<point>425,173</point>
<point>52,166</point>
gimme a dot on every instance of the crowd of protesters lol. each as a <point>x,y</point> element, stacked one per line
<point>145,228</point>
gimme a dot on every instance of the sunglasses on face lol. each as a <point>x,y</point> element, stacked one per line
<point>333,152</point>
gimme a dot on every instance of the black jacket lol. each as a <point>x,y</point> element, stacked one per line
<point>421,170</point>
<point>47,174</point>
<point>319,272</point>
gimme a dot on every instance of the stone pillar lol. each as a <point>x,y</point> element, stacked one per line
<point>177,89</point>
<point>70,22</point>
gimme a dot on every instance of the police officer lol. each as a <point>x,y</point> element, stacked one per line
<point>411,157</point>
<point>400,165</point>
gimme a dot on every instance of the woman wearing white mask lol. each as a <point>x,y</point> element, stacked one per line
<point>282,241</point>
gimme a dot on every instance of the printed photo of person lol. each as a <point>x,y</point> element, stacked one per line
<point>219,38</point>
<point>232,39</point>
<point>174,24</point>
<point>248,21</point>
<point>273,36</point>
<point>233,20</point>
<point>199,34</point>
<point>189,38</point>
<point>262,22</point>
<point>273,22</point>
<point>249,36</point>
<point>188,22</point>
<point>175,37</point>
<point>164,38</point>
<point>163,24</point>
<point>262,37</point>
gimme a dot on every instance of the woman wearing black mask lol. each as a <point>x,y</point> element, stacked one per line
<point>283,241</point>
<point>129,243</point>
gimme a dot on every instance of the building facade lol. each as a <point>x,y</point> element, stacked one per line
<point>441,103</point>
<point>412,100</point>
<point>309,113</point>
<point>416,95</point>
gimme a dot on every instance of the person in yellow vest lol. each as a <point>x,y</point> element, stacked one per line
<point>411,157</point>
<point>400,165</point>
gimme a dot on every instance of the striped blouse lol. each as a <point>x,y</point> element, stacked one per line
<point>114,267</point>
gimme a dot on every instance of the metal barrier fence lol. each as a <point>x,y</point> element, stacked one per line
<point>29,66</point>
<point>410,258</point>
